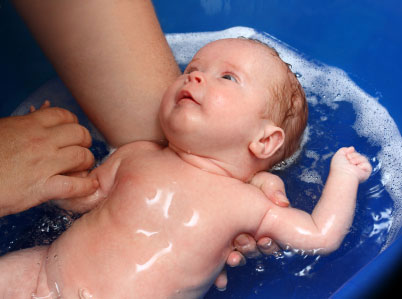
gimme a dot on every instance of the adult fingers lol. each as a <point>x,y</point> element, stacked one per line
<point>72,159</point>
<point>279,198</point>
<point>235,259</point>
<point>62,187</point>
<point>221,281</point>
<point>246,245</point>
<point>267,246</point>
<point>70,134</point>
<point>46,104</point>
<point>79,174</point>
<point>54,116</point>
<point>274,189</point>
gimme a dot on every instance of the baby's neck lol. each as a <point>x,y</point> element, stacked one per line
<point>212,165</point>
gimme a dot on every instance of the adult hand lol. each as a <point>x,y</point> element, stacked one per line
<point>245,245</point>
<point>36,150</point>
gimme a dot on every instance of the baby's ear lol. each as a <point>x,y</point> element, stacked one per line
<point>268,142</point>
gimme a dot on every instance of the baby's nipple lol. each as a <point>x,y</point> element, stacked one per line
<point>85,294</point>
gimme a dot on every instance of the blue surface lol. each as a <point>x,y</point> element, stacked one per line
<point>364,38</point>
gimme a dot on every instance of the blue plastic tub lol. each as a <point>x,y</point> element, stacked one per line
<point>363,38</point>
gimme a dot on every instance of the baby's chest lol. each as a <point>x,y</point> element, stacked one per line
<point>179,202</point>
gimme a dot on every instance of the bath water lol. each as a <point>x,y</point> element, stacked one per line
<point>340,114</point>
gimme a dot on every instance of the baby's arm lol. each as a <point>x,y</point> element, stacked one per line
<point>274,189</point>
<point>325,228</point>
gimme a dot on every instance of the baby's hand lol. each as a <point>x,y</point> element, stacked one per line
<point>352,163</point>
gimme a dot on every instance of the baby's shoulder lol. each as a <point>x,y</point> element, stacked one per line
<point>247,204</point>
<point>248,193</point>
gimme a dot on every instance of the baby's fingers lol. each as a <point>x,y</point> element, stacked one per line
<point>356,158</point>
<point>349,150</point>
<point>362,164</point>
<point>365,166</point>
<point>366,169</point>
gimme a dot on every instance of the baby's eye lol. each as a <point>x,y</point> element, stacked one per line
<point>230,77</point>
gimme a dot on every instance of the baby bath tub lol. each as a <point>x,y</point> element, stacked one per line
<point>363,38</point>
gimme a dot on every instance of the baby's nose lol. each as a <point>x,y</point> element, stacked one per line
<point>195,76</point>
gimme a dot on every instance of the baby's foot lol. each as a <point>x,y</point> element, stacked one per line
<point>352,162</point>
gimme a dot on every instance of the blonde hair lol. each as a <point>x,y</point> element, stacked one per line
<point>287,108</point>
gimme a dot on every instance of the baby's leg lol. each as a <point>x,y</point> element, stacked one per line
<point>19,273</point>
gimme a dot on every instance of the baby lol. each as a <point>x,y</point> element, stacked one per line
<point>162,222</point>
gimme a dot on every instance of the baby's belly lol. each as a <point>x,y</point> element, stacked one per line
<point>111,258</point>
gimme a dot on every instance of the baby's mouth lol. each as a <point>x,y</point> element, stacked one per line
<point>185,95</point>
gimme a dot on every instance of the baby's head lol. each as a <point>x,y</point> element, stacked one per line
<point>286,106</point>
<point>236,103</point>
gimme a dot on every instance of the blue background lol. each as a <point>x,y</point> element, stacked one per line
<point>364,38</point>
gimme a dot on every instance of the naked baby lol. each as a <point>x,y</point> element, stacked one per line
<point>163,220</point>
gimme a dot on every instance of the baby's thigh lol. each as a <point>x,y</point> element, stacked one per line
<point>19,272</point>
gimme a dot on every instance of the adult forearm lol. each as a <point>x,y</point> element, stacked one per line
<point>113,57</point>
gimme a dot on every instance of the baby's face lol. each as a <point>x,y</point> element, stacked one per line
<point>220,99</point>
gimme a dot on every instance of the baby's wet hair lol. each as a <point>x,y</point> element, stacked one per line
<point>288,108</point>
<point>257,41</point>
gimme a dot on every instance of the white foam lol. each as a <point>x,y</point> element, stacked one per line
<point>332,85</point>
<point>310,176</point>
